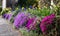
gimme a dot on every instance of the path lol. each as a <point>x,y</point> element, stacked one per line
<point>6,29</point>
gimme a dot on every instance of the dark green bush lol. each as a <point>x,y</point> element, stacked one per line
<point>0,9</point>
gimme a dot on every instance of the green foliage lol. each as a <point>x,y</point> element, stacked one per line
<point>26,33</point>
<point>11,20</point>
<point>0,9</point>
<point>5,11</point>
<point>40,12</point>
<point>14,14</point>
<point>57,11</point>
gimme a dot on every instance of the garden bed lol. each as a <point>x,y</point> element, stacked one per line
<point>34,22</point>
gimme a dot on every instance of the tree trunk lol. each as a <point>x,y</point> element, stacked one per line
<point>3,4</point>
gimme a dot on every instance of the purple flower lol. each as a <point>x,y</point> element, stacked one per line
<point>9,16</point>
<point>20,19</point>
<point>24,20</point>
<point>24,8</point>
<point>4,15</point>
<point>30,7</point>
<point>19,15</point>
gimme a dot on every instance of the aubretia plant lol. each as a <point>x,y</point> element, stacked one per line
<point>45,22</point>
<point>14,14</point>
<point>24,20</point>
<point>32,23</point>
<point>4,15</point>
<point>7,16</point>
<point>20,19</point>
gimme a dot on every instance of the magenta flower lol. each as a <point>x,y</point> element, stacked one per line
<point>46,21</point>
<point>31,23</point>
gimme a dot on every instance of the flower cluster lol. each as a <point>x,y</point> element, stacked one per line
<point>32,22</point>
<point>46,21</point>
<point>23,19</point>
<point>7,16</point>
<point>4,15</point>
<point>20,19</point>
